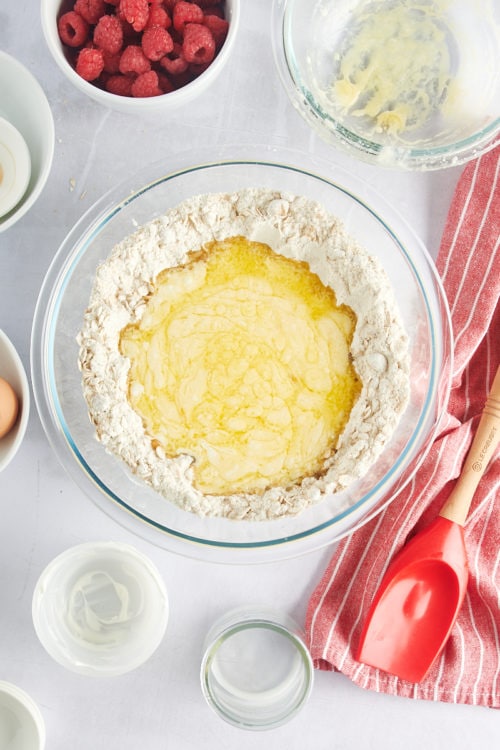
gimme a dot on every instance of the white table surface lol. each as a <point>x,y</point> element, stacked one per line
<point>43,512</point>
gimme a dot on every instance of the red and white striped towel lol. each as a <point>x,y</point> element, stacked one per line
<point>468,670</point>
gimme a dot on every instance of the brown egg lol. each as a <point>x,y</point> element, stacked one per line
<point>9,407</point>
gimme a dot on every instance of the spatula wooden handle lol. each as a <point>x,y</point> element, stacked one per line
<point>483,446</point>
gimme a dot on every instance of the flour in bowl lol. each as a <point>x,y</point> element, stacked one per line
<point>236,367</point>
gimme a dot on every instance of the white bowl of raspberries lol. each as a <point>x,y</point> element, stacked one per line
<point>140,55</point>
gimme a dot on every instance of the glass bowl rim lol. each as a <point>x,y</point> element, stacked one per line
<point>42,342</point>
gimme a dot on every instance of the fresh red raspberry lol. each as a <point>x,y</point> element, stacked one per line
<point>198,45</point>
<point>219,28</point>
<point>146,84</point>
<point>73,29</point>
<point>136,12</point>
<point>108,34</point>
<point>89,63</point>
<point>111,62</point>
<point>133,60</point>
<point>120,85</point>
<point>156,42</point>
<point>90,10</point>
<point>158,16</point>
<point>174,63</point>
<point>185,13</point>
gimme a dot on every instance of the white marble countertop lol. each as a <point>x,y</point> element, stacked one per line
<point>43,512</point>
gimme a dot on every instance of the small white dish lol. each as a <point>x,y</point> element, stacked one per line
<point>15,166</point>
<point>12,370</point>
<point>24,105</point>
<point>21,724</point>
<point>100,609</point>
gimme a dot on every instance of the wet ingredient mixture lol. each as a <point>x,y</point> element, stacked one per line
<point>241,360</point>
<point>243,355</point>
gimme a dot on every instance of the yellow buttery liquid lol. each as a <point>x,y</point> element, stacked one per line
<point>241,360</point>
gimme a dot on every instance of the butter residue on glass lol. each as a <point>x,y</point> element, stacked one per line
<point>394,67</point>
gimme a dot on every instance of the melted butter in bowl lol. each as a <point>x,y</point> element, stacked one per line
<point>244,379</point>
<point>241,360</point>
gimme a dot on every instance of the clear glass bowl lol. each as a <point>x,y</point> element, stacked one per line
<point>64,297</point>
<point>445,64</point>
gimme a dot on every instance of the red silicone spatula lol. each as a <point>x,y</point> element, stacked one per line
<point>420,596</point>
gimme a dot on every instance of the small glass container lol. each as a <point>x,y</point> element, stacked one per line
<point>100,608</point>
<point>21,723</point>
<point>256,671</point>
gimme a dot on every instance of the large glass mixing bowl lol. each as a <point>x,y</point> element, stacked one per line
<point>107,481</point>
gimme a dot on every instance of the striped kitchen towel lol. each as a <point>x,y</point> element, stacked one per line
<point>468,670</point>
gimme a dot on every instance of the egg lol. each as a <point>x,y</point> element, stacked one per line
<point>9,407</point>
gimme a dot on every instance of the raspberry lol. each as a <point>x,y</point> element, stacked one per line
<point>90,10</point>
<point>73,29</point>
<point>185,13</point>
<point>120,85</point>
<point>146,84</point>
<point>89,63</point>
<point>108,34</point>
<point>198,45</point>
<point>111,61</point>
<point>158,16</point>
<point>124,45</point>
<point>133,60</point>
<point>174,63</point>
<point>219,28</point>
<point>136,12</point>
<point>156,42</point>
